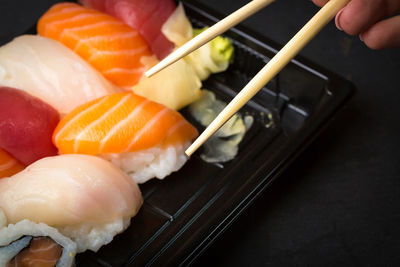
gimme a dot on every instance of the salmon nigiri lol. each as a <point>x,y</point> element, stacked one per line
<point>147,17</point>
<point>8,165</point>
<point>109,45</point>
<point>144,138</point>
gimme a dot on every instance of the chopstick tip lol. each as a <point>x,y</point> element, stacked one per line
<point>192,148</point>
<point>149,73</point>
<point>188,153</point>
<point>158,67</point>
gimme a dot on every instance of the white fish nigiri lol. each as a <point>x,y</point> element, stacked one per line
<point>52,72</point>
<point>86,198</point>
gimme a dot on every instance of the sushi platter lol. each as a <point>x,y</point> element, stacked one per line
<point>130,219</point>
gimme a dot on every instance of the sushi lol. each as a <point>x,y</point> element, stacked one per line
<point>109,45</point>
<point>79,200</point>
<point>179,84</point>
<point>142,137</point>
<point>26,126</point>
<point>176,86</point>
<point>51,72</point>
<point>34,244</point>
<point>146,17</point>
<point>84,198</point>
<point>8,165</point>
<point>41,250</point>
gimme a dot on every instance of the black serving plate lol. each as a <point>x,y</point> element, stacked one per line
<point>183,214</point>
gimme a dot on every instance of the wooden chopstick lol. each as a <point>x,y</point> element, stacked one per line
<point>276,64</point>
<point>209,34</point>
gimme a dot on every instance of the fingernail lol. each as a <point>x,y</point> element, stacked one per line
<point>360,36</point>
<point>337,20</point>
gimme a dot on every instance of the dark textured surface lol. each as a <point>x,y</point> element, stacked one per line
<point>339,203</point>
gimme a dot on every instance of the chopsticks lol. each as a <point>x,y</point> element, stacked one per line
<point>275,65</point>
<point>212,32</point>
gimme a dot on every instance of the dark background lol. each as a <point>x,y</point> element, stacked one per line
<point>338,204</point>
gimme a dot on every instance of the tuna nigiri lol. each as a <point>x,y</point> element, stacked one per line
<point>50,71</point>
<point>8,165</point>
<point>26,126</point>
<point>147,17</point>
<point>109,45</point>
<point>144,138</point>
<point>85,198</point>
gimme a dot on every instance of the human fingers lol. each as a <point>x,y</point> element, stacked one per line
<point>384,34</point>
<point>320,3</point>
<point>359,15</point>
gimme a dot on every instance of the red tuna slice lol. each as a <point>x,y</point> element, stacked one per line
<point>26,126</point>
<point>147,17</point>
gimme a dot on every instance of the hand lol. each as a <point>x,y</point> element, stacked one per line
<point>371,20</point>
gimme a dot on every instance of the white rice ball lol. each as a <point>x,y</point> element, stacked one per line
<point>92,237</point>
<point>153,162</point>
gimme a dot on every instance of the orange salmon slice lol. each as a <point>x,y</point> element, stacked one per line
<point>122,122</point>
<point>109,45</point>
<point>42,252</point>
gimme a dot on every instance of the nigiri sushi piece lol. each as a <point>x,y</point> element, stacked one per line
<point>147,17</point>
<point>26,126</point>
<point>50,71</point>
<point>144,138</point>
<point>86,198</point>
<point>8,164</point>
<point>109,45</point>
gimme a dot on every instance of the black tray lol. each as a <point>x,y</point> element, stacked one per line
<point>183,214</point>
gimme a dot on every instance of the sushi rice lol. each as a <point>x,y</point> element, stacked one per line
<point>92,237</point>
<point>156,162</point>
